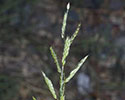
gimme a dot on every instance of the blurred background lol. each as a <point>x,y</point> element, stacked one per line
<point>29,27</point>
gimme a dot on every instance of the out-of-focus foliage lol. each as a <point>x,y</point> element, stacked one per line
<point>86,3</point>
<point>8,87</point>
<point>14,16</point>
<point>11,9</point>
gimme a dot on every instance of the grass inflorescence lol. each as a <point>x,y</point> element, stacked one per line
<point>60,67</point>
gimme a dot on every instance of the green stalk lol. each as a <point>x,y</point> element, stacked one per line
<point>62,85</point>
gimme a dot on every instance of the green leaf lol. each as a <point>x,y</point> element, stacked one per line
<point>34,98</point>
<point>55,59</point>
<point>72,73</point>
<point>50,85</point>
<point>75,33</point>
<point>66,50</point>
<point>64,20</point>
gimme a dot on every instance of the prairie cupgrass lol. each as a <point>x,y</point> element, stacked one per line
<point>60,67</point>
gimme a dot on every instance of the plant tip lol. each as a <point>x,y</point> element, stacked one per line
<point>68,5</point>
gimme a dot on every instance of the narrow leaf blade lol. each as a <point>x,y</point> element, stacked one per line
<point>50,85</point>
<point>55,59</point>
<point>72,73</point>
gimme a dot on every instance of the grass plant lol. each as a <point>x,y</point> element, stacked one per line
<point>60,67</point>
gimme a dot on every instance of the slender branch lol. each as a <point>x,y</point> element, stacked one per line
<point>61,94</point>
